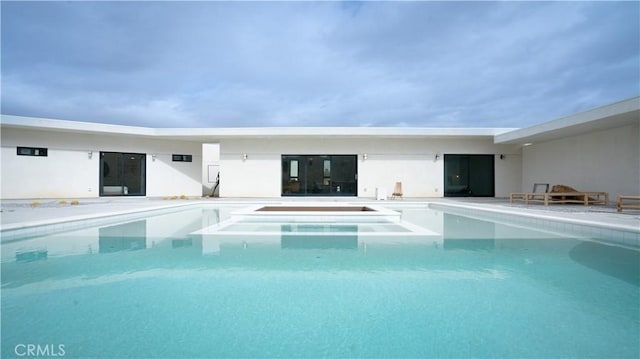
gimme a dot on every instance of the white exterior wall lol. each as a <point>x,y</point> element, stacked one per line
<point>68,172</point>
<point>603,161</point>
<point>411,161</point>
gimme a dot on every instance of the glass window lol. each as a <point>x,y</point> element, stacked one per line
<point>182,158</point>
<point>122,174</point>
<point>32,151</point>
<point>319,175</point>
<point>469,175</point>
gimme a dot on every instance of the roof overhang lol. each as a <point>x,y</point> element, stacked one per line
<point>618,114</point>
<point>44,124</point>
<point>212,135</point>
<point>611,116</point>
<point>220,134</point>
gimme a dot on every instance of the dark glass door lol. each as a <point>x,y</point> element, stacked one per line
<point>344,175</point>
<point>122,174</point>
<point>319,175</point>
<point>469,176</point>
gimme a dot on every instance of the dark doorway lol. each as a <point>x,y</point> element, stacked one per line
<point>319,175</point>
<point>469,176</point>
<point>122,174</point>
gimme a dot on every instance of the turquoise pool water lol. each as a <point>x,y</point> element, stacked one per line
<point>466,287</point>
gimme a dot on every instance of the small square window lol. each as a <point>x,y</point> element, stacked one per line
<point>181,158</point>
<point>32,151</point>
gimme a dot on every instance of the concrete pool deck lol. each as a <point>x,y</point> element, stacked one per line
<point>25,213</point>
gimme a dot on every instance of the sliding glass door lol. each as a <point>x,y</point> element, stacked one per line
<point>469,176</point>
<point>319,175</point>
<point>122,174</point>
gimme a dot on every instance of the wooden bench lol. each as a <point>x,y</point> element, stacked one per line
<point>526,197</point>
<point>620,205</point>
<point>585,198</point>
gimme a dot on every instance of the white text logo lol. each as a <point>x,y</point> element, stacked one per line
<point>39,350</point>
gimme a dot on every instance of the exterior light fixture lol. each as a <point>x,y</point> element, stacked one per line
<point>90,154</point>
<point>437,156</point>
<point>502,156</point>
<point>153,157</point>
<point>365,157</point>
<point>244,156</point>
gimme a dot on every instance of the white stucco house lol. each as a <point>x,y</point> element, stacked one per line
<point>596,150</point>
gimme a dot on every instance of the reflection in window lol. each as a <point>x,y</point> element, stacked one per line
<point>326,180</point>
<point>333,175</point>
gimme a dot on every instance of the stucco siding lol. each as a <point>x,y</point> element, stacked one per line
<point>69,170</point>
<point>411,161</point>
<point>597,161</point>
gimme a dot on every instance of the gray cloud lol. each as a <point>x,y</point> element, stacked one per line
<point>220,64</point>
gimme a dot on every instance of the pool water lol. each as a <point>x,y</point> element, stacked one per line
<point>152,288</point>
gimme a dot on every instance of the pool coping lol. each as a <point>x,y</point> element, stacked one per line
<point>551,216</point>
<point>144,206</point>
<point>9,232</point>
<point>613,234</point>
<point>323,212</point>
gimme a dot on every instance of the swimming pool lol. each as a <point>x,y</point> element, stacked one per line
<point>200,283</point>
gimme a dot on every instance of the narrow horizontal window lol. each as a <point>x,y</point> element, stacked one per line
<point>182,158</point>
<point>32,151</point>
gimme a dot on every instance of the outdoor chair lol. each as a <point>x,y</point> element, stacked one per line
<point>397,191</point>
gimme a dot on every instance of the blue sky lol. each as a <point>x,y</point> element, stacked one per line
<point>239,64</point>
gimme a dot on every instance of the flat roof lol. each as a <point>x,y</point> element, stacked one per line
<point>610,116</point>
<point>216,134</point>
<point>614,115</point>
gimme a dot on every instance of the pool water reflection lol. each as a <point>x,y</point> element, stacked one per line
<point>463,287</point>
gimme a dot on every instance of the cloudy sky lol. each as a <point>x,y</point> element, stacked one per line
<point>239,64</point>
